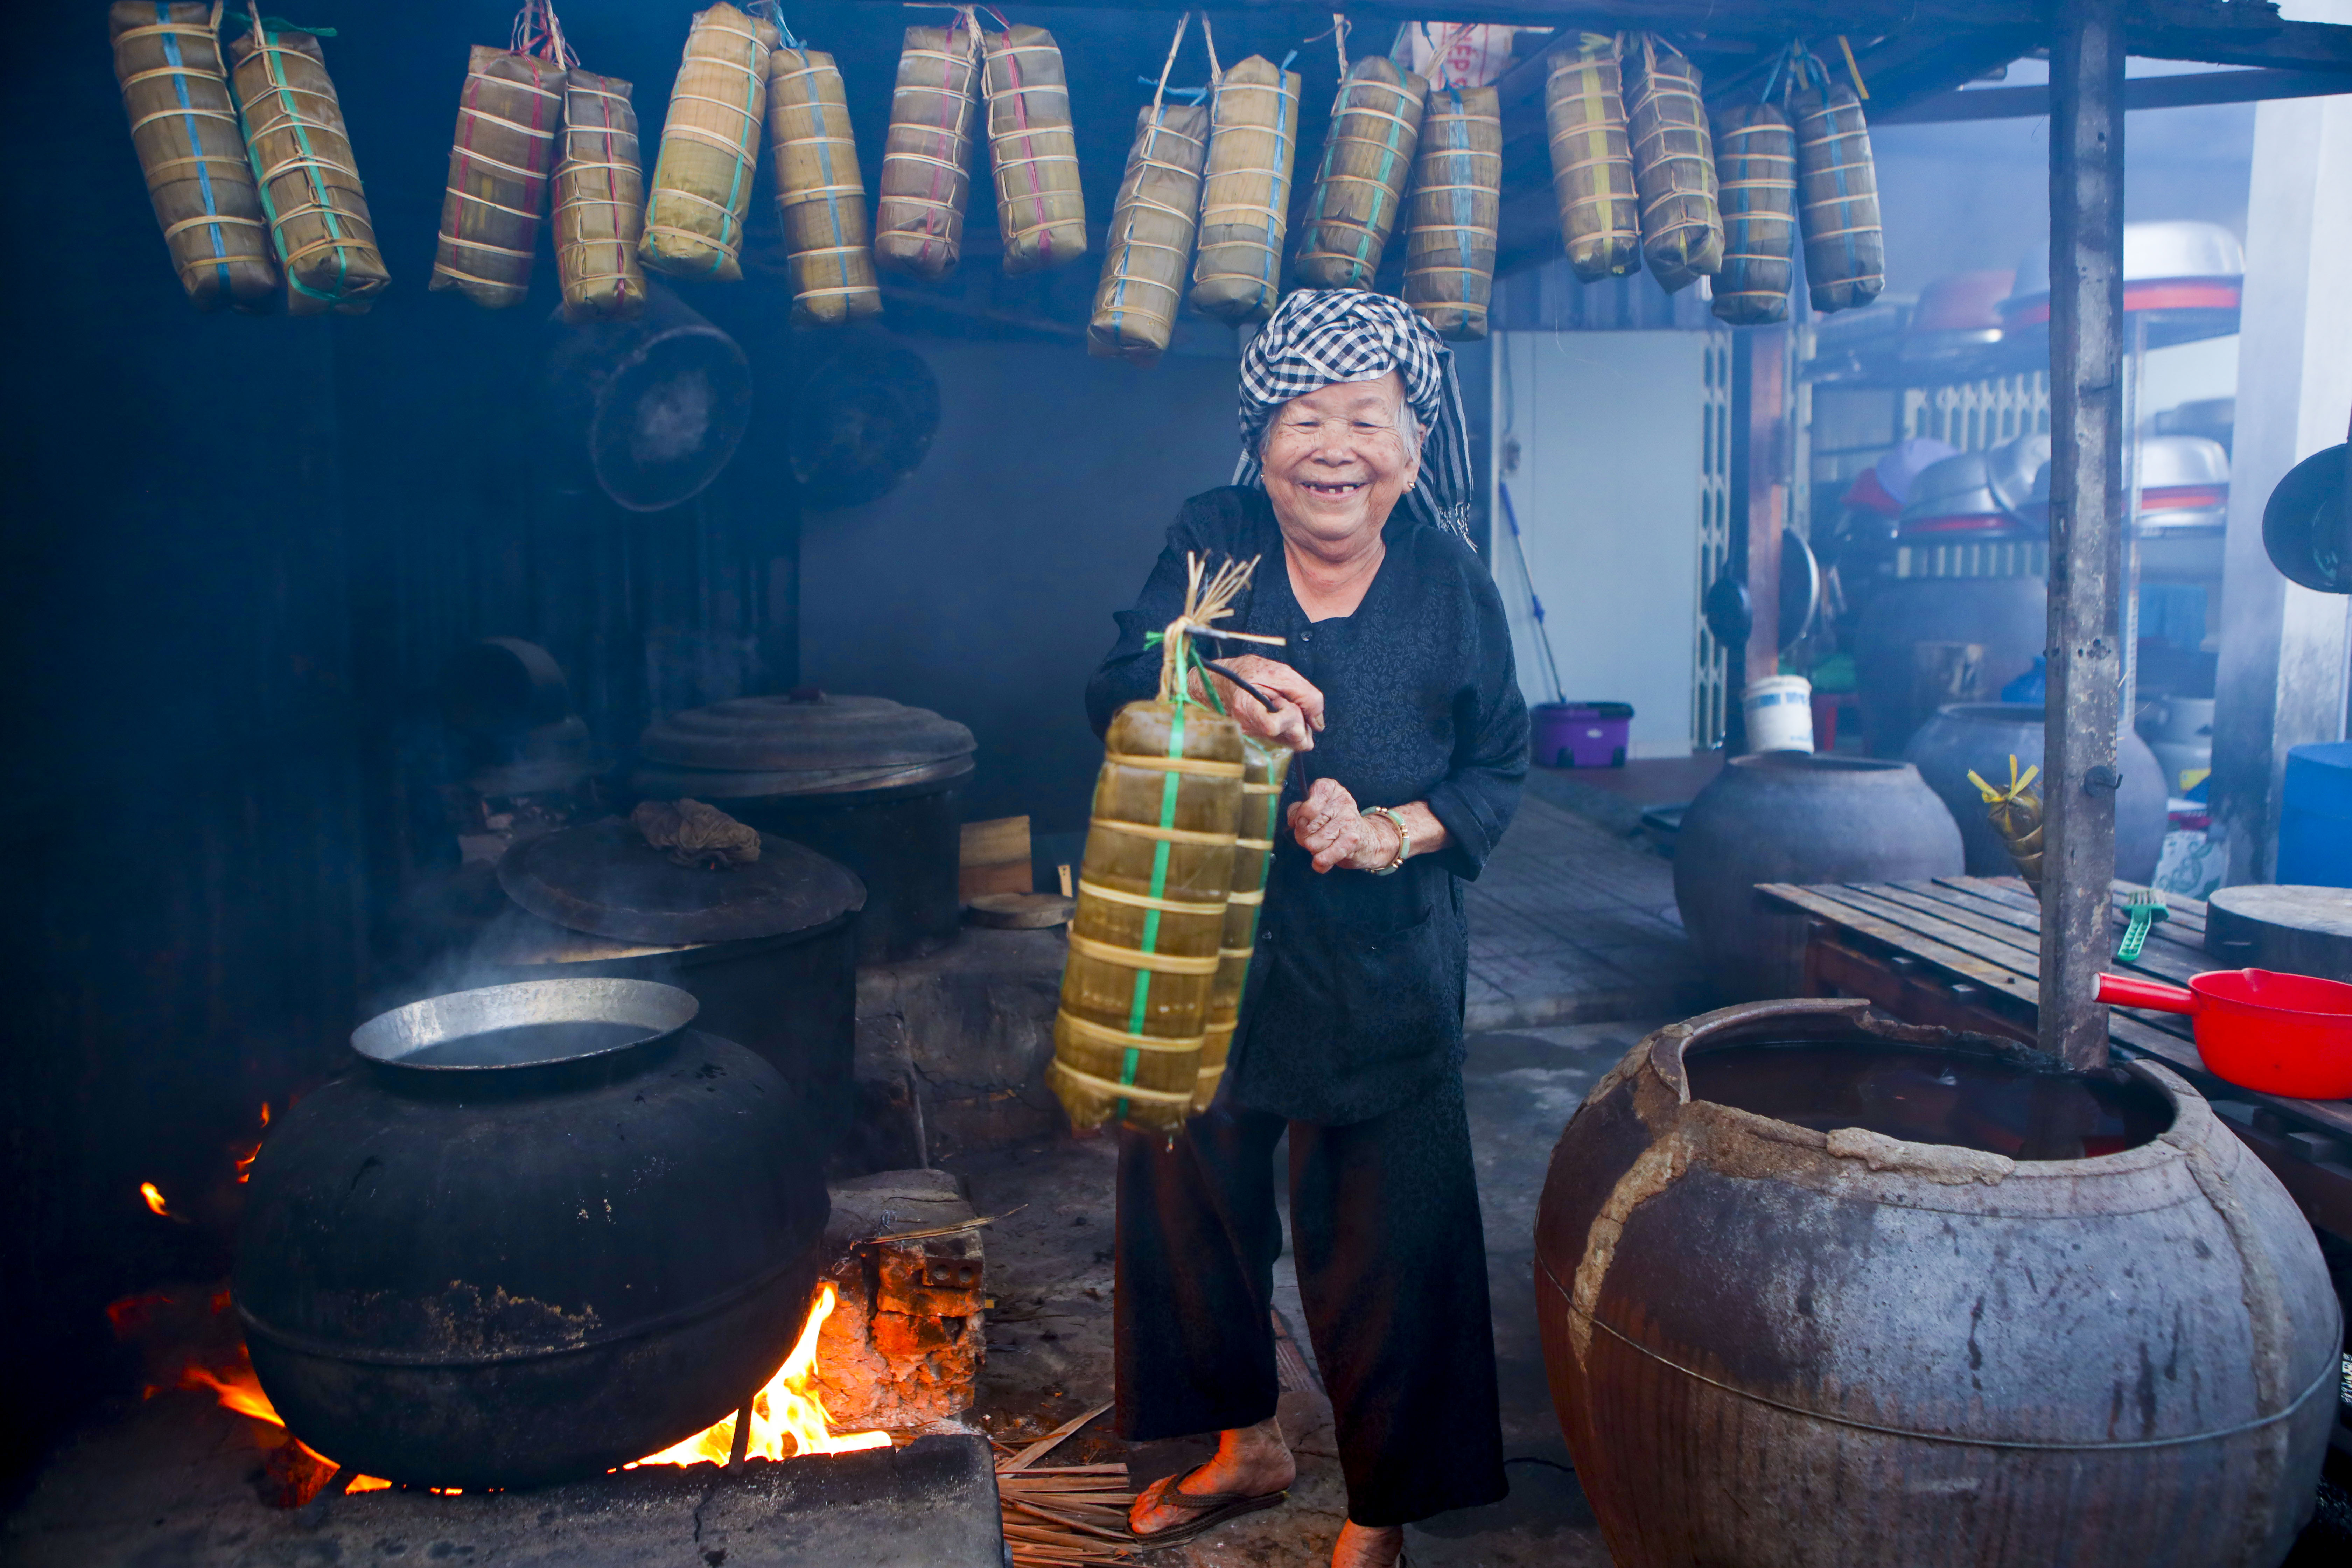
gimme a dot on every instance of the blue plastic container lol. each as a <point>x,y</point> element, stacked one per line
<point>2315,817</point>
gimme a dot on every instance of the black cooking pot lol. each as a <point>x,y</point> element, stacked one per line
<point>543,1230</point>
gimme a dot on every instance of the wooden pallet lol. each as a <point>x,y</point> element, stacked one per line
<point>1965,953</point>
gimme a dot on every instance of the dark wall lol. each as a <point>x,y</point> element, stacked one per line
<point>983,586</point>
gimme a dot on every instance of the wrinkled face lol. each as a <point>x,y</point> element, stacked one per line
<point>1336,460</point>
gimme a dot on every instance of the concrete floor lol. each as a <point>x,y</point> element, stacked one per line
<point>1050,1338</point>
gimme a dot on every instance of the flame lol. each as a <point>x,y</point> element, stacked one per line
<point>245,1166</point>
<point>154,1196</point>
<point>787,1411</point>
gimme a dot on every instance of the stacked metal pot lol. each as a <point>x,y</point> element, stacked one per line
<point>870,782</point>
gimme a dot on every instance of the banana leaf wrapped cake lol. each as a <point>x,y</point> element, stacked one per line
<point>1147,939</point>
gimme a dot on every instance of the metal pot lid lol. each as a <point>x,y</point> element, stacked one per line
<point>830,741</point>
<point>656,783</point>
<point>605,878</point>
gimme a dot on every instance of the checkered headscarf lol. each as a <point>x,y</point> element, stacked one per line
<point>1321,336</point>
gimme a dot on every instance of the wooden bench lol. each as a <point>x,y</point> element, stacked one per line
<point>1965,953</point>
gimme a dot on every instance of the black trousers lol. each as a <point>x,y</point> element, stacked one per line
<point>1392,1269</point>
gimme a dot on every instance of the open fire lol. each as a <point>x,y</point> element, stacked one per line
<point>788,1417</point>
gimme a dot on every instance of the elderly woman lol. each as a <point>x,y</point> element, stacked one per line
<point>1395,689</point>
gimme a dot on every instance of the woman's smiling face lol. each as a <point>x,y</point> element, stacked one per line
<point>1336,460</point>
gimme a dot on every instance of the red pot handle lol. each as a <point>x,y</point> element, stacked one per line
<point>2131,990</point>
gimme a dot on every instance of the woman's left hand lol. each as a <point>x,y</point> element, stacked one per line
<point>1328,827</point>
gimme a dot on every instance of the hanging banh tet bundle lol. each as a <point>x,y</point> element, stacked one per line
<point>510,115</point>
<point>927,156</point>
<point>1674,167</point>
<point>600,201</point>
<point>1149,242</point>
<point>1451,216</point>
<point>1845,252</point>
<point>1263,767</point>
<point>303,160</point>
<point>167,59</point>
<point>1367,159</point>
<point>709,147</point>
<point>1756,159</point>
<point>820,196</point>
<point>1593,161</point>
<point>1040,211</point>
<point>1150,917</point>
<point>1246,191</point>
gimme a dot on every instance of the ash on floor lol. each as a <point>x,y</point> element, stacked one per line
<point>1049,1338</point>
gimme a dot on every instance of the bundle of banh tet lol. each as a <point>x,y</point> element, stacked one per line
<point>1147,942</point>
<point>501,157</point>
<point>1149,243</point>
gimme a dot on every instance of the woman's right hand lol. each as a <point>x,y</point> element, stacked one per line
<point>1298,711</point>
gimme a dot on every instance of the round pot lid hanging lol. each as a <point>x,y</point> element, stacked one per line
<point>604,879</point>
<point>803,742</point>
<point>860,422</point>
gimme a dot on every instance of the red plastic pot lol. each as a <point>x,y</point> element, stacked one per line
<point>2281,1034</point>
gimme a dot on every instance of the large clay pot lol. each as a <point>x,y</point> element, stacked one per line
<point>2007,618</point>
<point>1795,817</point>
<point>1984,736</point>
<point>1781,1339</point>
<point>493,1267</point>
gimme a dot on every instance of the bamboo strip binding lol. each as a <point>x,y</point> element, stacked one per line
<point>1673,168</point>
<point>510,115</point>
<point>709,147</point>
<point>1457,203</point>
<point>820,196</point>
<point>1367,159</point>
<point>1145,941</point>
<point>1040,210</point>
<point>1268,766</point>
<point>927,156</point>
<point>1246,192</point>
<point>1593,161</point>
<point>1845,251</point>
<point>303,164</point>
<point>600,201</point>
<point>184,125</point>
<point>1756,155</point>
<point>1150,243</point>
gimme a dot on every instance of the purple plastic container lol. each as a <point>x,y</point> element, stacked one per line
<point>1580,734</point>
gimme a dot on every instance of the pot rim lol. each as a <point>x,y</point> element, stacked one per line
<point>2192,1125</point>
<point>391,1038</point>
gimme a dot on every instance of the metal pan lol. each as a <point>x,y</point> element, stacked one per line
<point>531,1023</point>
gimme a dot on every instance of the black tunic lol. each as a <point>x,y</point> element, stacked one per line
<point>1356,991</point>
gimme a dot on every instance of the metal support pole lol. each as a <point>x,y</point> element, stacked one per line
<point>2086,523</point>
<point>1758,488</point>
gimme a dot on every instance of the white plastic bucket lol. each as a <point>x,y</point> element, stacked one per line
<point>1780,709</point>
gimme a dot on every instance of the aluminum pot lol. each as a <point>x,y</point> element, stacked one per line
<point>1854,1307</point>
<point>2184,485</point>
<point>538,1231</point>
<point>2179,267</point>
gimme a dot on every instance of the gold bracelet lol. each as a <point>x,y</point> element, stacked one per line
<point>1404,839</point>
